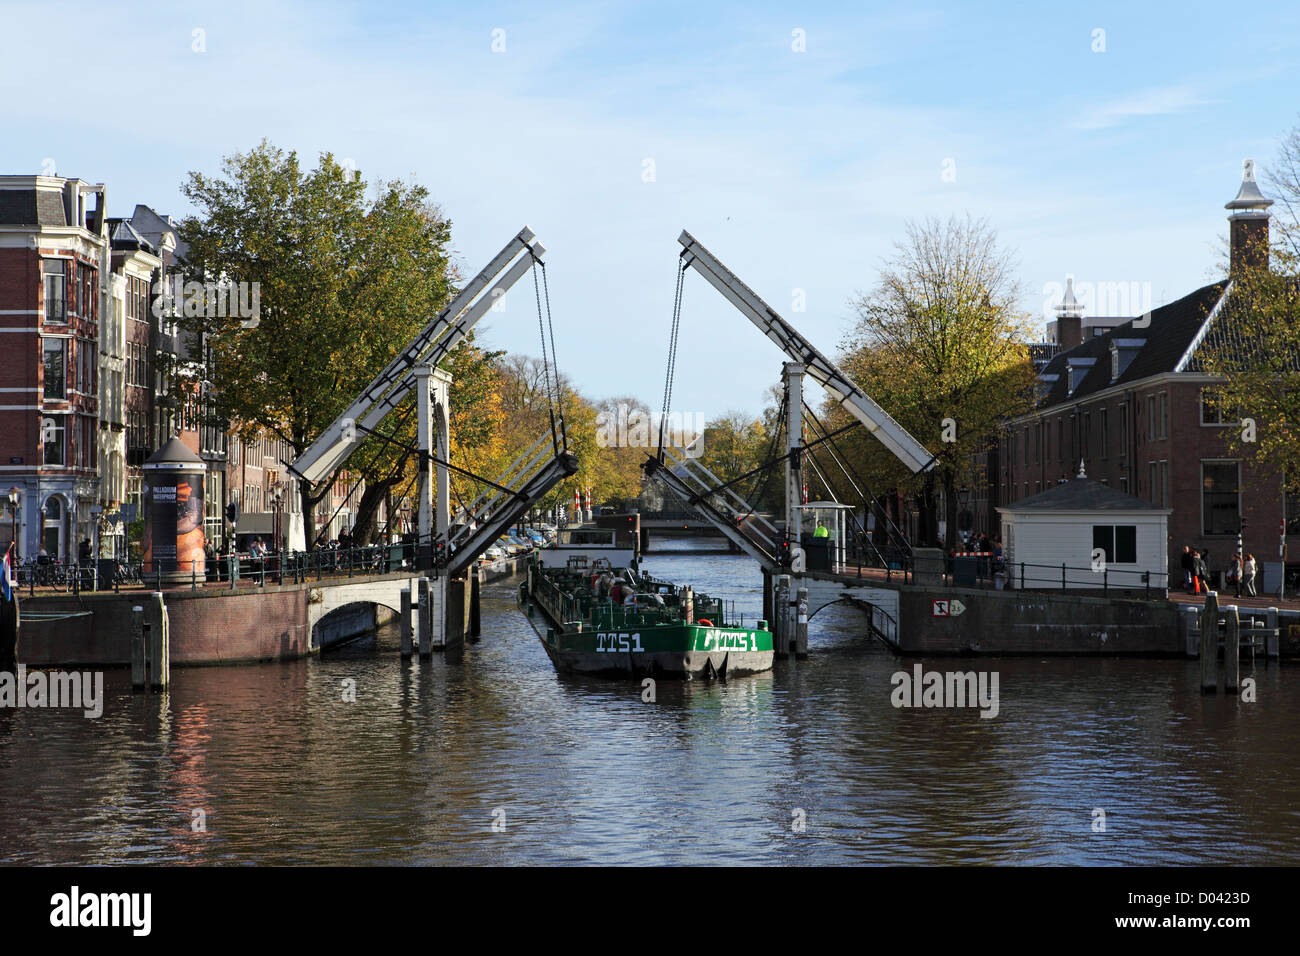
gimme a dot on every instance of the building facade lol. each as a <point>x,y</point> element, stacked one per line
<point>53,260</point>
<point>1134,407</point>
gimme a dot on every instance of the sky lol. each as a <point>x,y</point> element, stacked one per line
<point>795,141</point>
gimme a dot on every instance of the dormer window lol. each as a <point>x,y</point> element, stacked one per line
<point>1078,370</point>
<point>1044,386</point>
<point>1122,353</point>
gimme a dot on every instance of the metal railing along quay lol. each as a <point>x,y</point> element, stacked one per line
<point>229,570</point>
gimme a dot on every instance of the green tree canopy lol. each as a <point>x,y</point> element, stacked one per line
<point>940,345</point>
<point>345,282</point>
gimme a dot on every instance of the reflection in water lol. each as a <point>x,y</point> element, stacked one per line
<point>286,770</point>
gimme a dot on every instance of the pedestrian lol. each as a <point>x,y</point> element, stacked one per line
<point>83,552</point>
<point>1188,564</point>
<point>1234,573</point>
<point>1248,575</point>
<point>1202,573</point>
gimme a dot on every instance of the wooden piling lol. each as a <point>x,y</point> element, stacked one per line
<point>769,614</point>
<point>1210,645</point>
<point>1272,639</point>
<point>475,616</point>
<point>1232,650</point>
<point>424,619</point>
<point>9,618</point>
<point>781,620</point>
<point>159,648</point>
<point>406,623</point>
<point>801,624</point>
<point>137,648</point>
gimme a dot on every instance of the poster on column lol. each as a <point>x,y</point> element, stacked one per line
<point>175,537</point>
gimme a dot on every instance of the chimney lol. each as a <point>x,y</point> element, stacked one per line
<point>1069,319</point>
<point>1248,224</point>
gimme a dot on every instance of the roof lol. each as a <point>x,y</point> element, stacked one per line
<point>1172,329</point>
<point>1237,344</point>
<point>153,226</point>
<point>124,236</point>
<point>1082,494</point>
<point>32,207</point>
<point>175,452</point>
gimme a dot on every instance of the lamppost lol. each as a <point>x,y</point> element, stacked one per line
<point>963,505</point>
<point>275,525</point>
<point>14,493</point>
<point>276,502</point>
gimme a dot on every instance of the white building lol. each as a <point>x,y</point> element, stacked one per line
<point>1103,537</point>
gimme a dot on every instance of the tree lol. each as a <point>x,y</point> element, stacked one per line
<point>940,345</point>
<point>1255,346</point>
<point>345,282</point>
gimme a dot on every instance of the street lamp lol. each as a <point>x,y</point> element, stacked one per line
<point>276,503</point>
<point>14,492</point>
<point>963,504</point>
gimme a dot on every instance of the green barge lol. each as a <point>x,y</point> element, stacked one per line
<point>596,618</point>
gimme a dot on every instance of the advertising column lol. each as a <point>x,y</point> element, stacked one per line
<point>173,514</point>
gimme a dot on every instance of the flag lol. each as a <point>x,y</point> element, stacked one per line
<point>6,571</point>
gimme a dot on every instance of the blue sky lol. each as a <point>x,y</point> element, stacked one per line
<point>798,169</point>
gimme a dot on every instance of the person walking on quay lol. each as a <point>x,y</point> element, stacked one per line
<point>1234,573</point>
<point>1248,575</point>
<point>1188,564</point>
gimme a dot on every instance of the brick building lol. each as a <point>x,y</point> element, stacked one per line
<point>96,374</point>
<point>1133,404</point>
<point>53,259</point>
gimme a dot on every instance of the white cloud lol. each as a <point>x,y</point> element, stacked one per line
<point>1157,101</point>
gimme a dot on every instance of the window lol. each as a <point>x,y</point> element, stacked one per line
<point>56,297</point>
<point>1165,500</point>
<point>1153,471</point>
<point>1163,429</point>
<point>1292,513</point>
<point>1123,431</point>
<point>1028,443</point>
<point>1220,497</point>
<point>1151,418</point>
<point>1060,439</point>
<point>1105,433</point>
<point>1212,410</point>
<point>1123,483</point>
<point>52,438</point>
<point>213,496</point>
<point>55,359</point>
<point>1038,439</point>
<point>88,450</point>
<point>1087,433</point>
<point>1118,542</point>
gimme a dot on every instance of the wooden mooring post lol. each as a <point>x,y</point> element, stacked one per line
<point>159,644</point>
<point>801,624</point>
<point>1210,645</point>
<point>424,619</point>
<point>475,592</point>
<point>137,648</point>
<point>1232,650</point>
<point>781,618</point>
<point>406,622</point>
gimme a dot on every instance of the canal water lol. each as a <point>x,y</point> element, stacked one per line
<point>490,758</point>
